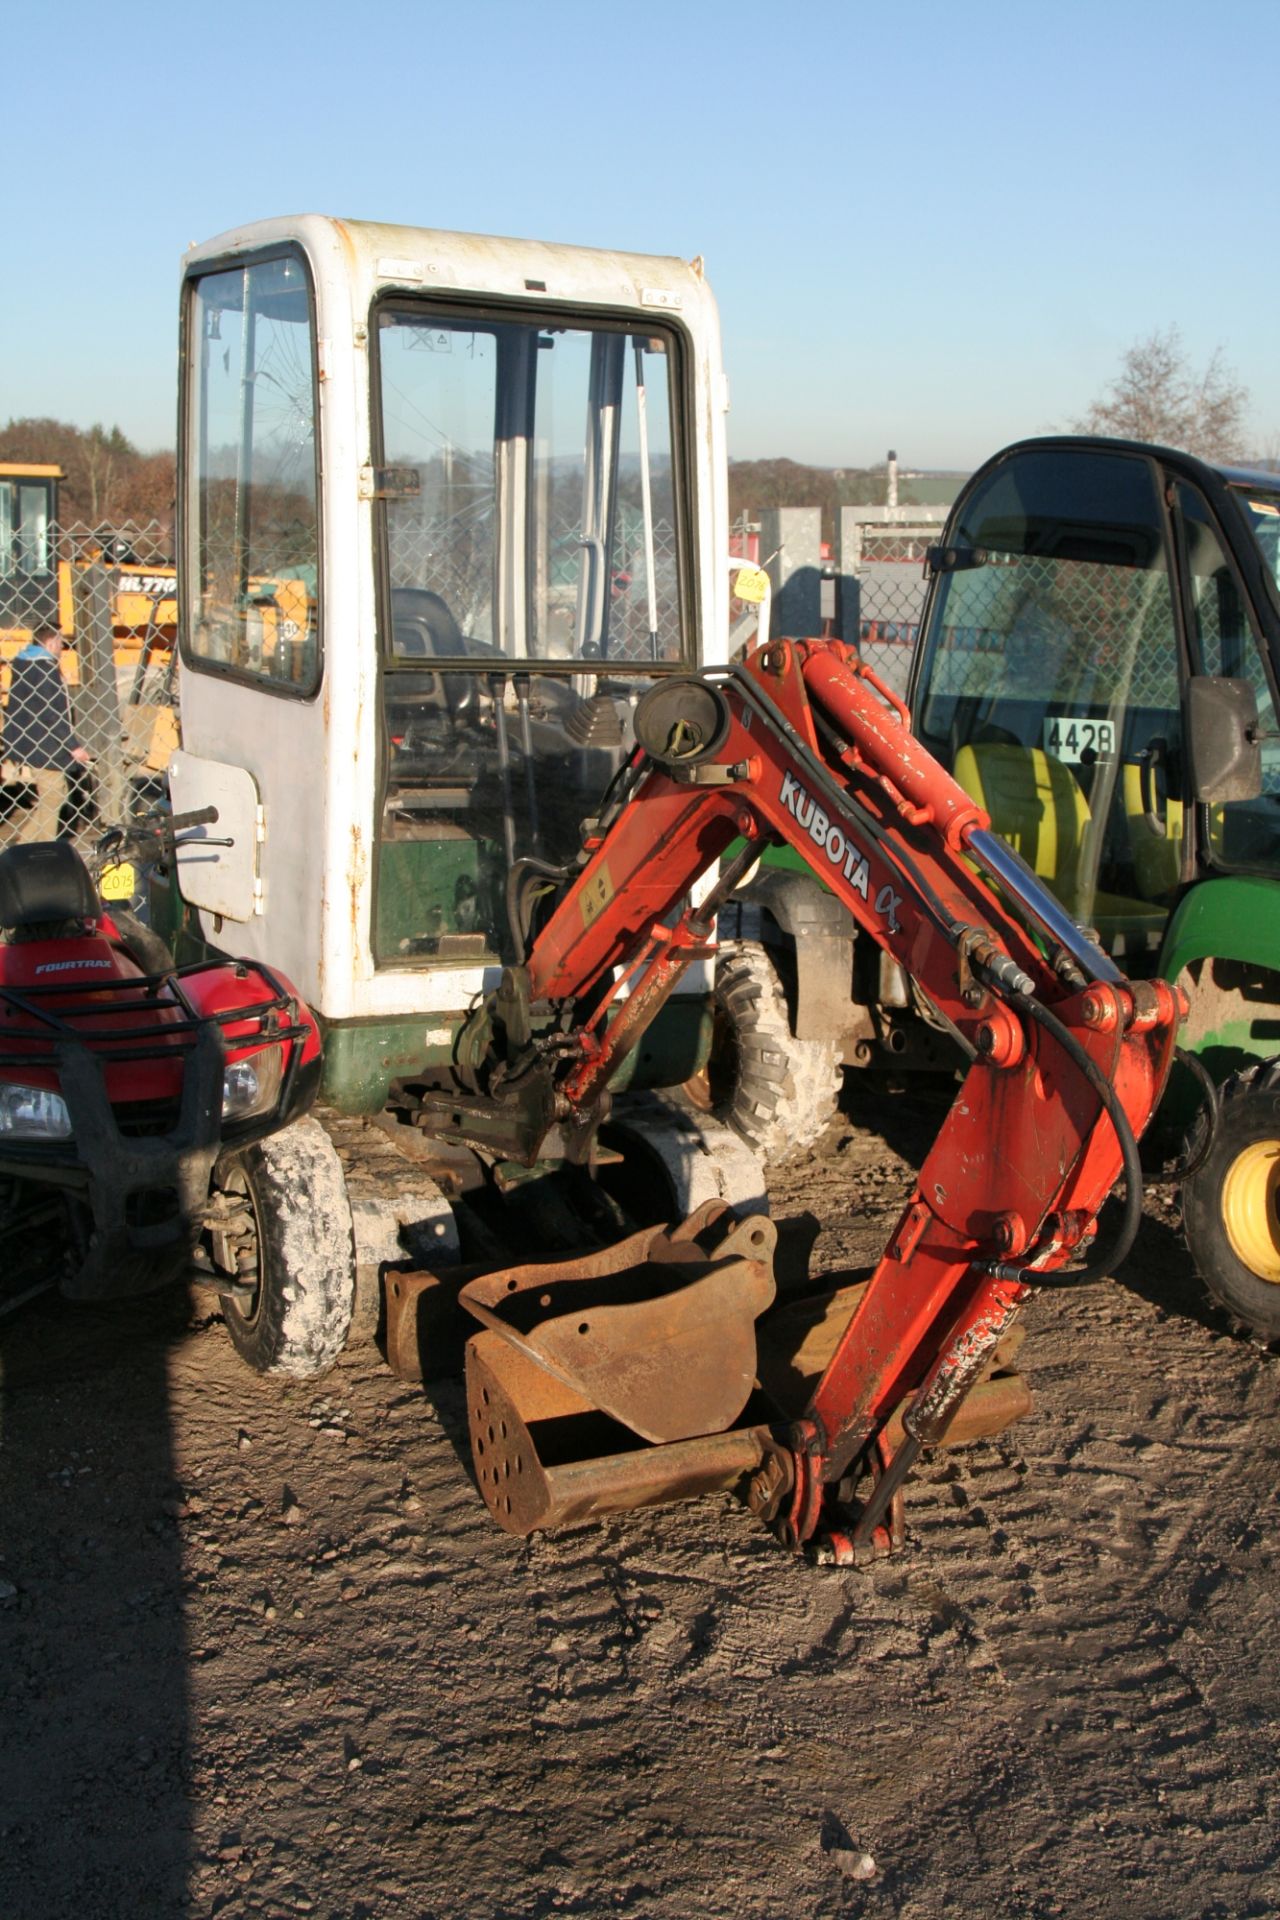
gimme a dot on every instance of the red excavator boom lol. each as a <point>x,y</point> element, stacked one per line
<point>800,744</point>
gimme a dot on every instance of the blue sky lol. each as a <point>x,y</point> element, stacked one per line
<point>930,227</point>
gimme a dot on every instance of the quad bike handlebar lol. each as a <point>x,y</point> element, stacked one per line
<point>152,840</point>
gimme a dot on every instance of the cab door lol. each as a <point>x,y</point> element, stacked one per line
<point>254,726</point>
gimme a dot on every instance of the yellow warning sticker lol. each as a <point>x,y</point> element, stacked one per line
<point>596,895</point>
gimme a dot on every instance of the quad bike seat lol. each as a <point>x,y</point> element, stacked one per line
<point>44,883</point>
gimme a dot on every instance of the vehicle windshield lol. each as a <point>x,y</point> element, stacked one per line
<point>529,539</point>
<point>529,492</point>
<point>1050,685</point>
<point>1262,514</point>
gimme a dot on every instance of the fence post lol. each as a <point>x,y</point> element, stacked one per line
<point>97,698</point>
<point>790,549</point>
<point>849,567</point>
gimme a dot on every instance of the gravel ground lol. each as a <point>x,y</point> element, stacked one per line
<point>262,1652</point>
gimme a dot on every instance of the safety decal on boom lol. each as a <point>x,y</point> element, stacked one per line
<point>596,895</point>
<point>831,840</point>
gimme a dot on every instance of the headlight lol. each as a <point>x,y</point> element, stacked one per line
<point>33,1113</point>
<point>252,1086</point>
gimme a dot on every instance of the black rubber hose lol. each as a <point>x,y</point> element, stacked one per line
<point>517,919</point>
<point>1103,1263</point>
<point>1184,1168</point>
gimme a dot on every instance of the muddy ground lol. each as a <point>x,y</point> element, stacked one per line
<point>262,1651</point>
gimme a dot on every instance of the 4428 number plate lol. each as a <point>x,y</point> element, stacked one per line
<point>1077,740</point>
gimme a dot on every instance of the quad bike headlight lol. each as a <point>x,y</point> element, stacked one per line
<point>33,1113</point>
<point>252,1086</point>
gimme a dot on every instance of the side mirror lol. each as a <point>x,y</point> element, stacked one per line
<point>1222,740</point>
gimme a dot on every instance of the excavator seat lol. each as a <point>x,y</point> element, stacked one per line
<point>1037,805</point>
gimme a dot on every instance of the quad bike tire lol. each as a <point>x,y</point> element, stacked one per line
<point>778,1093</point>
<point>300,1314</point>
<point>1231,1203</point>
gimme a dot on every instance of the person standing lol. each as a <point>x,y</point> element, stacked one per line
<point>39,741</point>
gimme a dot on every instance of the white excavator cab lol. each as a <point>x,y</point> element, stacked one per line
<point>447,506</point>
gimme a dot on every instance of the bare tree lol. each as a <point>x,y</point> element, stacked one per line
<point>1158,395</point>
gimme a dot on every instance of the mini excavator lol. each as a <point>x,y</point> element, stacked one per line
<point>663,1366</point>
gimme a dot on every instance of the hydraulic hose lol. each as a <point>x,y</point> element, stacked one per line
<point>1198,1151</point>
<point>519,912</point>
<point>1105,1262</point>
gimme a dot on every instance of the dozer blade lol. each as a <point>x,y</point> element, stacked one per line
<point>654,1337</point>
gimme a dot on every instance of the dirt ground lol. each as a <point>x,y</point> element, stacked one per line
<point>263,1653</point>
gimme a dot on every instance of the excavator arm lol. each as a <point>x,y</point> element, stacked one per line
<point>802,744</point>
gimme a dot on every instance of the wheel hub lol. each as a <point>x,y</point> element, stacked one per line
<point>1250,1195</point>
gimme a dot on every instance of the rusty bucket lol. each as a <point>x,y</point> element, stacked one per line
<point>614,1380</point>
<point>653,1370</point>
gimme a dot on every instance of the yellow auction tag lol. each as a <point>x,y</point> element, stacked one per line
<point>119,882</point>
<point>752,584</point>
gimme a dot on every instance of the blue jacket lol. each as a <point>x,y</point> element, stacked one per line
<point>37,720</point>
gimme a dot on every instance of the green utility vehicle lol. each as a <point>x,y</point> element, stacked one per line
<point>1098,665</point>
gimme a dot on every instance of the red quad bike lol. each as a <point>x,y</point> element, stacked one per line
<point>153,1118</point>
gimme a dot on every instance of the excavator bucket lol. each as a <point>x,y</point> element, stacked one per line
<point>654,1371</point>
<point>585,1361</point>
<point>651,1371</point>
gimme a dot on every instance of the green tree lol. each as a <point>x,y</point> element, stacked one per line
<point>754,484</point>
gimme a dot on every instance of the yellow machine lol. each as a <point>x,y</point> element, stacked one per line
<point>36,573</point>
<point>39,563</point>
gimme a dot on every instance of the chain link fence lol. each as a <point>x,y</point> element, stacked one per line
<point>1084,633</point>
<point>88,692</point>
<point>110,593</point>
<point>867,589</point>
<point>883,586</point>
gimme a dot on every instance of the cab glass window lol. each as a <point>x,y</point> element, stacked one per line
<point>26,528</point>
<point>31,529</point>
<point>529,487</point>
<point>529,511</point>
<point>1241,833</point>
<point>253,532</point>
<point>1050,683</point>
<point>28,586</point>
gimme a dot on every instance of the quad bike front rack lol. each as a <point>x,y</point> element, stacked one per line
<point>146,1181</point>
